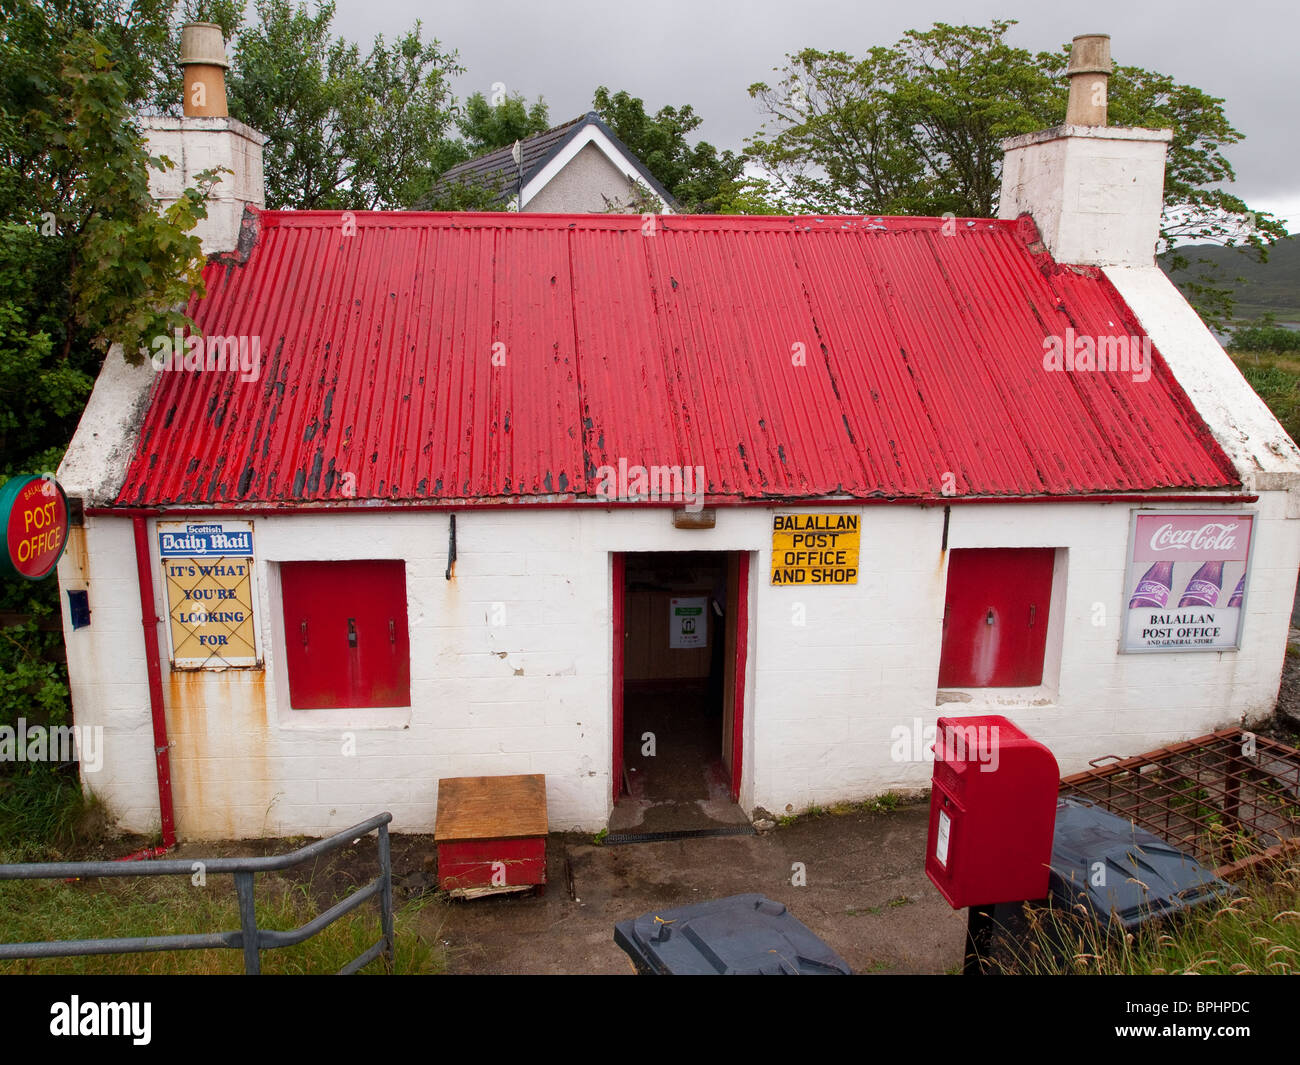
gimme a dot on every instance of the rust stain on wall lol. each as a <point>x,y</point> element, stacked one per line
<point>76,551</point>
<point>218,730</point>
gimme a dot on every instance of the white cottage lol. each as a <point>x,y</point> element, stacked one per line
<point>576,167</point>
<point>715,512</point>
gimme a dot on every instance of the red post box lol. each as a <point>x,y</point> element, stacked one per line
<point>992,812</point>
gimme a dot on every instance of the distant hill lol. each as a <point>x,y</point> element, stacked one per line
<point>1271,287</point>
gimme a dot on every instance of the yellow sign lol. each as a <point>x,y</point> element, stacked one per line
<point>208,569</point>
<point>815,548</point>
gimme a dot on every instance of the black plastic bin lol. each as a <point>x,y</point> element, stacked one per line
<point>1108,872</point>
<point>1142,876</point>
<point>737,936</point>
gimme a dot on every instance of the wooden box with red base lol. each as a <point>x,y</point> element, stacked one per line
<point>491,834</point>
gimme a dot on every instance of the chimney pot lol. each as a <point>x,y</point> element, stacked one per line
<point>203,59</point>
<point>1089,74</point>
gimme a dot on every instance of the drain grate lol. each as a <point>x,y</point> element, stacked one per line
<point>683,833</point>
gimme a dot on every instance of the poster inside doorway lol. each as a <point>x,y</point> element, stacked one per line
<point>688,622</point>
<point>1185,581</point>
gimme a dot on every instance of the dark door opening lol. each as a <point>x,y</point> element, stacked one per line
<point>676,759</point>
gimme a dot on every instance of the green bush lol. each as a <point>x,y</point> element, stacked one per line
<point>33,672</point>
<point>1265,337</point>
<point>40,804</point>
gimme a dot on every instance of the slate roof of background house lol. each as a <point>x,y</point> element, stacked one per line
<point>497,170</point>
<point>923,361</point>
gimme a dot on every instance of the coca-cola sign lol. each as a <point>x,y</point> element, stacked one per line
<point>1186,581</point>
<point>1192,537</point>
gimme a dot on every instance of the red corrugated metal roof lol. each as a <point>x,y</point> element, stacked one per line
<point>923,357</point>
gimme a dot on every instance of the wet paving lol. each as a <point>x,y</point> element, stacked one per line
<point>683,785</point>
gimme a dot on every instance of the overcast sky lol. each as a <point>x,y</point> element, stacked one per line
<point>707,52</point>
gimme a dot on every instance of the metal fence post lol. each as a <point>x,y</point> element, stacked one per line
<point>248,924</point>
<point>248,938</point>
<point>386,898</point>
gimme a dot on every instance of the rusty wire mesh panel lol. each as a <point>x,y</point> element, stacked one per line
<point>1230,799</point>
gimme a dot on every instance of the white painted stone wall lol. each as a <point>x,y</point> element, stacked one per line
<point>195,144</point>
<point>1095,192</point>
<point>534,695</point>
<point>95,463</point>
<point>106,668</point>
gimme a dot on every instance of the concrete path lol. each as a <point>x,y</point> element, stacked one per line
<point>867,896</point>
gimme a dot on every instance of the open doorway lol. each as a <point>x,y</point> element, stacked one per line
<point>677,755</point>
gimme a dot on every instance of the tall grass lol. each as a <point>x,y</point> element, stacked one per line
<point>1256,931</point>
<point>1276,377</point>
<point>43,812</point>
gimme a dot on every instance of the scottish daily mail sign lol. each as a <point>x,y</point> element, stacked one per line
<point>206,541</point>
<point>208,571</point>
<point>815,548</point>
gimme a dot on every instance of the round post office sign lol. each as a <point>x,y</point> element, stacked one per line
<point>34,518</point>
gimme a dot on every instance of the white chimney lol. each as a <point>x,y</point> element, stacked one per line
<point>206,138</point>
<point>1095,192</point>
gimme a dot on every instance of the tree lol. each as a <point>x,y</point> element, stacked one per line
<point>396,122</point>
<point>749,196</point>
<point>912,129</point>
<point>489,126</point>
<point>346,131</point>
<point>1196,209</point>
<point>697,176</point>
<point>916,129</point>
<point>465,194</point>
<point>85,259</point>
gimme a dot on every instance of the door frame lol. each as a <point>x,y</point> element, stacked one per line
<point>738,683</point>
<point>618,635</point>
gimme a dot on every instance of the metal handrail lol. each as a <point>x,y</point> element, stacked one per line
<point>250,939</point>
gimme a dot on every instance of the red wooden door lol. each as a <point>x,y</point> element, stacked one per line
<point>995,617</point>
<point>346,634</point>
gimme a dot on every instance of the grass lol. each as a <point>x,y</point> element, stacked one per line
<point>32,910</point>
<point>1256,932</point>
<point>881,804</point>
<point>1276,377</point>
<point>45,817</point>
<point>42,813</point>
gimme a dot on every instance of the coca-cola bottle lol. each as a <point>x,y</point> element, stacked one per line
<point>1204,587</point>
<point>1154,588</point>
<point>1238,593</point>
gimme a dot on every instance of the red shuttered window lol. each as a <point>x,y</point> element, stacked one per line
<point>995,617</point>
<point>345,634</point>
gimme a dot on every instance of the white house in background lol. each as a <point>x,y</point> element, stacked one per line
<point>462,494</point>
<point>579,167</point>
